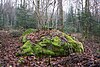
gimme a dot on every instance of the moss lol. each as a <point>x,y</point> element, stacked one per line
<point>21,60</point>
<point>37,49</point>
<point>27,48</point>
<point>48,52</point>
<point>56,41</point>
<point>42,44</point>
<point>80,46</point>
<point>24,39</point>
<point>46,40</point>
<point>28,31</point>
<point>69,38</point>
<point>52,46</point>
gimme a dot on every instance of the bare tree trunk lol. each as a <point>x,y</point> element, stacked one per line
<point>86,23</point>
<point>82,5</point>
<point>87,6</point>
<point>60,15</point>
<point>38,7</point>
<point>57,18</point>
<point>96,9</point>
<point>15,19</point>
<point>46,15</point>
<point>1,11</point>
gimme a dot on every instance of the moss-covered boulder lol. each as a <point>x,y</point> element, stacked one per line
<point>50,43</point>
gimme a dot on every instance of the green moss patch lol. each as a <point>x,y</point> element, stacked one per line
<point>28,31</point>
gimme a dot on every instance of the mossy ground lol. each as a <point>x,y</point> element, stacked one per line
<point>50,43</point>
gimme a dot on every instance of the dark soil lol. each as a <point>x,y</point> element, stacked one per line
<point>9,46</point>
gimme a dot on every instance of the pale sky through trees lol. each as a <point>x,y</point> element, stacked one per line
<point>66,4</point>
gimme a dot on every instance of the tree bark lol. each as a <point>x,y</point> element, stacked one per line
<point>60,15</point>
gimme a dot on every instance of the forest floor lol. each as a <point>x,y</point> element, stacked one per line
<point>9,46</point>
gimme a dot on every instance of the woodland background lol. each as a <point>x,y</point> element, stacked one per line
<point>71,16</point>
<point>78,18</point>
